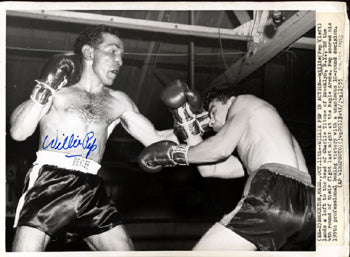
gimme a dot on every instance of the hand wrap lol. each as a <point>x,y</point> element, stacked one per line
<point>60,70</point>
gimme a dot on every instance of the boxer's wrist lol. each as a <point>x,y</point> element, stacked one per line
<point>203,121</point>
<point>185,131</point>
<point>41,93</point>
<point>179,154</point>
<point>183,114</point>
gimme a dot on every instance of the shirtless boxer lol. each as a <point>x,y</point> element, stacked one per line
<point>76,113</point>
<point>277,209</point>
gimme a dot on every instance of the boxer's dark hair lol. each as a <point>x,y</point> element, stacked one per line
<point>222,93</point>
<point>92,36</point>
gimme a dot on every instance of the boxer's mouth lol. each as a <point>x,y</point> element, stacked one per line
<point>115,72</point>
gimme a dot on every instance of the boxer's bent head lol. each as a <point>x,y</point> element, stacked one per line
<point>92,36</point>
<point>222,93</point>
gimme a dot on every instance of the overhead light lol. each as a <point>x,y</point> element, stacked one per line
<point>277,18</point>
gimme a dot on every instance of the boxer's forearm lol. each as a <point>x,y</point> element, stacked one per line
<point>143,130</point>
<point>168,134</point>
<point>229,168</point>
<point>208,151</point>
<point>25,119</point>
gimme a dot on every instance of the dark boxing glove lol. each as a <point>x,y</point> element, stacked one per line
<point>163,154</point>
<point>59,71</point>
<point>184,104</point>
<point>176,94</point>
<point>203,120</point>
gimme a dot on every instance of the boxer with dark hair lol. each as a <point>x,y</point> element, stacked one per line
<point>277,209</point>
<point>76,112</point>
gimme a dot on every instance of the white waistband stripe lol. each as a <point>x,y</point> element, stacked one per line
<point>71,163</point>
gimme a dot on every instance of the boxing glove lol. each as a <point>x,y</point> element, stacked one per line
<point>59,71</point>
<point>163,154</point>
<point>203,119</point>
<point>176,94</point>
<point>184,104</point>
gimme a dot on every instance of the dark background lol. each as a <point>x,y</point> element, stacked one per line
<point>169,210</point>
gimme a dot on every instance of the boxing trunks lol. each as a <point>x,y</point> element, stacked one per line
<point>64,196</point>
<point>277,210</point>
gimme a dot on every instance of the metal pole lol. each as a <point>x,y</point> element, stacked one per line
<point>191,54</point>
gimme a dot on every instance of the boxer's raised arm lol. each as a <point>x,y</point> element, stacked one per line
<point>61,70</point>
<point>25,119</point>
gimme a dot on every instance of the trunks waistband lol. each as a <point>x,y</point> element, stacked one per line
<point>287,171</point>
<point>71,163</point>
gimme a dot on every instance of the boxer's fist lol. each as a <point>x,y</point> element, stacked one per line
<point>184,104</point>
<point>203,120</point>
<point>163,154</point>
<point>176,94</point>
<point>59,71</point>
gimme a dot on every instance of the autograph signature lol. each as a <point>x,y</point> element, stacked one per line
<point>72,141</point>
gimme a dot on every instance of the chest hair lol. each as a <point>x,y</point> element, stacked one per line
<point>92,108</point>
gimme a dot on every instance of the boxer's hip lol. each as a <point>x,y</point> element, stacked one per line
<point>55,167</point>
<point>278,206</point>
<point>69,201</point>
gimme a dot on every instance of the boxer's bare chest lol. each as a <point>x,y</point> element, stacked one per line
<point>101,108</point>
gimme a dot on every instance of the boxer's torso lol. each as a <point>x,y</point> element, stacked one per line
<point>77,122</point>
<point>266,138</point>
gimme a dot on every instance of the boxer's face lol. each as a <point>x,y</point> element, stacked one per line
<point>107,58</point>
<point>218,112</point>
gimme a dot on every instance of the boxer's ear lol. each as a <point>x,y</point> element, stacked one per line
<point>231,99</point>
<point>87,52</point>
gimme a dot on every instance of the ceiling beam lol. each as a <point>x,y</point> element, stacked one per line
<point>286,34</point>
<point>128,23</point>
<point>304,43</point>
<point>239,33</point>
<point>242,16</point>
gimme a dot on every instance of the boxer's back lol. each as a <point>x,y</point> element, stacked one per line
<point>266,139</point>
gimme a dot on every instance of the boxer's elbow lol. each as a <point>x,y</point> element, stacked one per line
<point>221,153</point>
<point>18,134</point>
<point>206,171</point>
<point>222,147</point>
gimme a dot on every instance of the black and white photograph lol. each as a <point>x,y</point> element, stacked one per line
<point>160,129</point>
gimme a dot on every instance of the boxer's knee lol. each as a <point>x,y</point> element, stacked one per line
<point>220,238</point>
<point>29,239</point>
<point>115,239</point>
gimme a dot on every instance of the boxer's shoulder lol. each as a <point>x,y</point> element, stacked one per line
<point>249,104</point>
<point>118,94</point>
<point>123,98</point>
<point>248,100</point>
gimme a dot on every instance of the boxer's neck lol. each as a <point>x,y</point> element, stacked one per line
<point>90,83</point>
